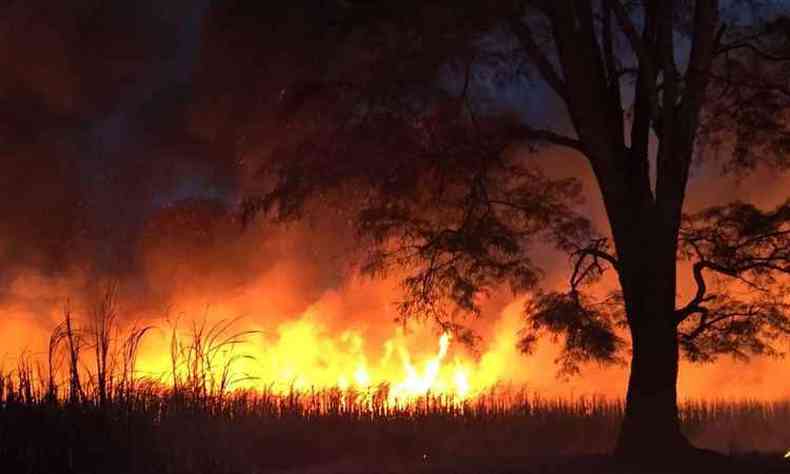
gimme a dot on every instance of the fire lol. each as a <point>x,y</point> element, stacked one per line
<point>303,355</point>
<point>417,383</point>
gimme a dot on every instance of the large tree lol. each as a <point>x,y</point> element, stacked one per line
<point>387,120</point>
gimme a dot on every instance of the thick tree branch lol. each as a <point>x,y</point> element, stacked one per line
<point>693,306</point>
<point>600,254</point>
<point>706,17</point>
<point>705,323</point>
<point>681,110</point>
<point>593,252</point>
<point>754,49</point>
<point>612,66</point>
<point>646,110</point>
<point>739,242</point>
<point>608,47</point>
<point>525,132</point>
<point>639,46</point>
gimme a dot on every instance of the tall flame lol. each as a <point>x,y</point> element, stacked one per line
<point>303,356</point>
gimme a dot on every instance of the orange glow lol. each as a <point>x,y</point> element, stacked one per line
<point>302,355</point>
<point>346,340</point>
<point>313,326</point>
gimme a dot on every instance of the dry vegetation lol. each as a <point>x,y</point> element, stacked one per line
<point>86,410</point>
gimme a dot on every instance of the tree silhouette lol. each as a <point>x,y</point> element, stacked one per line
<point>398,136</point>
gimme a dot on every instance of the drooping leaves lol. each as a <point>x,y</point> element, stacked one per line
<point>586,328</point>
<point>741,264</point>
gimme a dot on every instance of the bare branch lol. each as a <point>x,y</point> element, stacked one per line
<point>525,132</point>
<point>701,57</point>
<point>694,305</point>
<point>597,253</point>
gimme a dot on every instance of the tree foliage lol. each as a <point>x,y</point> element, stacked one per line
<point>401,134</point>
<point>750,247</point>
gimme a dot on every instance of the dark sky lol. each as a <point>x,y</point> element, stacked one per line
<point>112,110</point>
<point>112,113</point>
<point>94,120</point>
<point>119,125</point>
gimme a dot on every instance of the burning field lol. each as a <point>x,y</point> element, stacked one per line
<point>216,389</point>
<point>351,236</point>
<point>224,348</point>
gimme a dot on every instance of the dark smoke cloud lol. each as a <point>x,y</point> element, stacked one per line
<point>119,124</point>
<point>94,136</point>
<point>81,82</point>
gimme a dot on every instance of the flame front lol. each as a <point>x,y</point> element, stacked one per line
<point>302,355</point>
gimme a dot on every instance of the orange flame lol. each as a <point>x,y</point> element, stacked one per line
<point>303,356</point>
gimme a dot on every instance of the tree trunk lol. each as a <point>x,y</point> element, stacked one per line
<point>651,419</point>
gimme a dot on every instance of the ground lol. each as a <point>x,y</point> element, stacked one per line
<point>589,464</point>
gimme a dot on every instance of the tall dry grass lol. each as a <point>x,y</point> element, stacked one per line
<point>86,409</point>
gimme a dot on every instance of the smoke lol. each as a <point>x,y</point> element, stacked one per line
<point>119,134</point>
